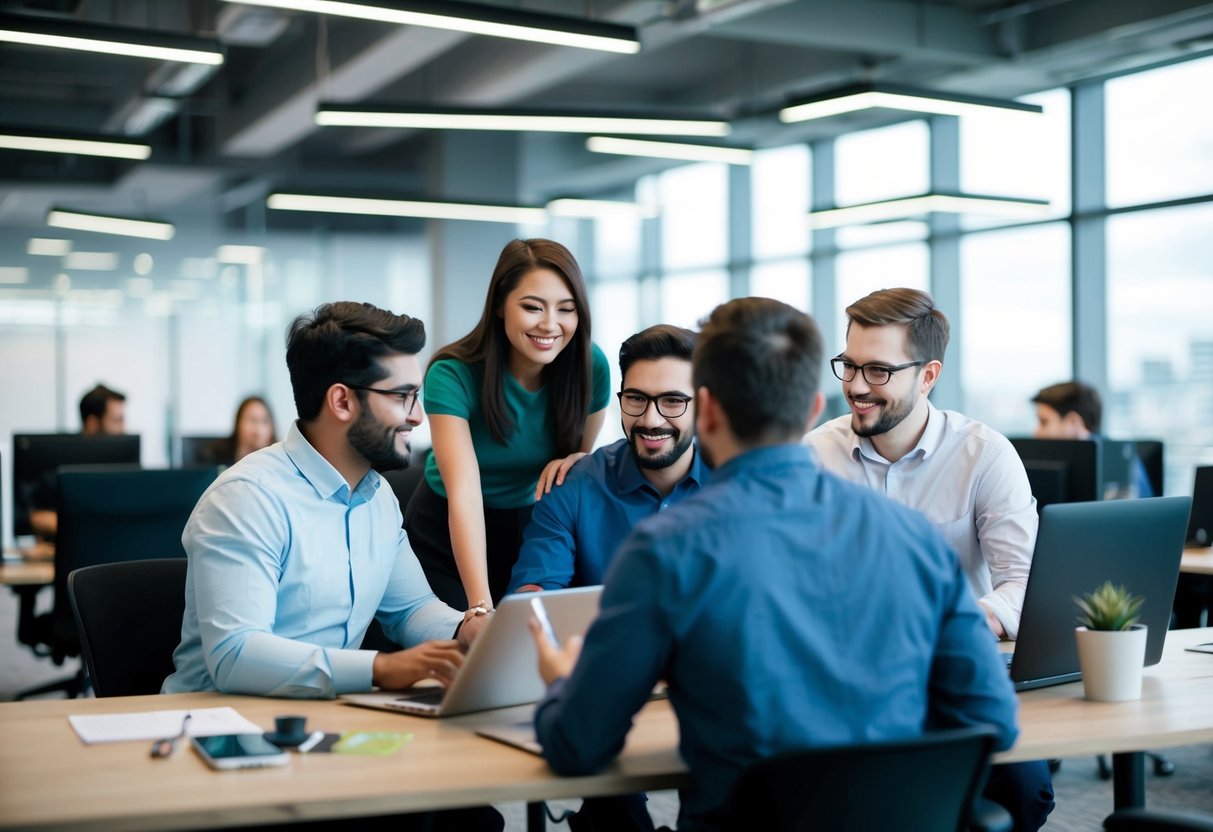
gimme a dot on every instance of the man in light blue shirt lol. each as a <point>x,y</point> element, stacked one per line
<point>577,526</point>
<point>749,598</point>
<point>293,550</point>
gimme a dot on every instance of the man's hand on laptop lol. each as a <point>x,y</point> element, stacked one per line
<point>554,662</point>
<point>438,660</point>
<point>993,621</point>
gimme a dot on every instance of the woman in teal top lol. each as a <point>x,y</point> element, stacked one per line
<point>512,405</point>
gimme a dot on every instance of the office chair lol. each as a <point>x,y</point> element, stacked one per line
<point>128,617</point>
<point>929,782</point>
<point>107,515</point>
<point>1148,820</point>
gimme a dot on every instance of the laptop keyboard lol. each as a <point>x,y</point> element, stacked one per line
<point>424,697</point>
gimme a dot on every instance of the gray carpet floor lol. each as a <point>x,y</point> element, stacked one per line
<point>1083,800</point>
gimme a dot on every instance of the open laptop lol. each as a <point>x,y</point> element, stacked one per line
<point>1134,543</point>
<point>1200,523</point>
<point>502,668</point>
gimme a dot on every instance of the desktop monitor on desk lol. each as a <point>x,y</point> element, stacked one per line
<point>1118,463</point>
<point>1061,470</point>
<point>199,451</point>
<point>35,456</point>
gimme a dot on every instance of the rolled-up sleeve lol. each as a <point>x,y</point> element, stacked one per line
<point>1006,521</point>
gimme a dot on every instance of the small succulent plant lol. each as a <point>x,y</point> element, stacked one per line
<point>1109,607</point>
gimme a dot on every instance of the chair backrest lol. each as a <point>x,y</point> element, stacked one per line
<point>107,515</point>
<point>129,618</point>
<point>928,782</point>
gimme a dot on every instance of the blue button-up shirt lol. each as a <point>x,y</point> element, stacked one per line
<point>786,609</point>
<point>287,567</point>
<point>576,528</point>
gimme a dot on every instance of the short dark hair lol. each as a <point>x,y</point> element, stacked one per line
<point>1074,397</point>
<point>762,359</point>
<point>926,326</point>
<point>341,343</point>
<point>660,341</point>
<point>95,402</point>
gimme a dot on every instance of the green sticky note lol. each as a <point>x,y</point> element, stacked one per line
<point>380,743</point>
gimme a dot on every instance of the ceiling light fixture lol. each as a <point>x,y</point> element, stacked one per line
<point>916,206</point>
<point>91,261</point>
<point>48,247</point>
<point>435,118</point>
<point>109,40</point>
<point>891,97</point>
<point>597,209</point>
<point>670,150</point>
<point>13,275</point>
<point>103,224</point>
<point>405,208</point>
<point>240,255</point>
<point>97,146</point>
<point>475,19</point>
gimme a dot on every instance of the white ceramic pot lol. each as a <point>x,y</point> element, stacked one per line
<point>1111,662</point>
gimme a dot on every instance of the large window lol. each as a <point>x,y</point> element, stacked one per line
<point>616,305</point>
<point>694,216</point>
<point>780,194</point>
<point>1018,154</point>
<point>1014,321</point>
<point>687,297</point>
<point>885,163</point>
<point>1160,340</point>
<point>1160,134</point>
<point>785,280</point>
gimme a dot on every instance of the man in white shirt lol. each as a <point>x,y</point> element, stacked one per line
<point>965,477</point>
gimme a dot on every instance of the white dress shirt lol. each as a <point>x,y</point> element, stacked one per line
<point>967,479</point>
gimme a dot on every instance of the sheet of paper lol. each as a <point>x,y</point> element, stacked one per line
<point>153,725</point>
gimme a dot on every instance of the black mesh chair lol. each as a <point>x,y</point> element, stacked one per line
<point>129,621</point>
<point>929,782</point>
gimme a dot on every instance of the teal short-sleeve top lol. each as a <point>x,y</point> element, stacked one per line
<point>509,472</point>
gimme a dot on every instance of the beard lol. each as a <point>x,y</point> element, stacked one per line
<point>664,460</point>
<point>376,442</point>
<point>892,414</point>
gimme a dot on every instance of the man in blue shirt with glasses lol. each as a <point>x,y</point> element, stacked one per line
<point>785,607</point>
<point>577,526</point>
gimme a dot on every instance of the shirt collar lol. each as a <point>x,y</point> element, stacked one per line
<point>318,471</point>
<point>631,478</point>
<point>928,443</point>
<point>765,458</point>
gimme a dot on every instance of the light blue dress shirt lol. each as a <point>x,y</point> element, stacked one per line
<point>287,567</point>
<point>578,526</point>
<point>786,608</point>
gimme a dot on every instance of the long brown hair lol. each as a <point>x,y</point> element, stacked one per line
<point>567,377</point>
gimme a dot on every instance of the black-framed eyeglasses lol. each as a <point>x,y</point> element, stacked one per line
<point>874,374</point>
<point>669,405</point>
<point>406,398</point>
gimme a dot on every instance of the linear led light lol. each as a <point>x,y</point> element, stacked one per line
<point>428,118</point>
<point>12,275</point>
<point>916,206</point>
<point>594,209</point>
<point>239,255</point>
<point>670,150</point>
<point>109,40</point>
<point>493,21</point>
<point>48,247</point>
<point>91,261</point>
<point>79,147</point>
<point>102,224</point>
<point>405,208</point>
<point>890,97</point>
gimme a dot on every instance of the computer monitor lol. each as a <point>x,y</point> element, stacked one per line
<point>198,450</point>
<point>1118,463</point>
<point>36,456</point>
<point>1200,523</point>
<point>1061,470</point>
<point>1151,454</point>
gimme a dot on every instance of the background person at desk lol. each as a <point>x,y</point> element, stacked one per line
<point>965,477</point>
<point>102,413</point>
<point>1073,410</point>
<point>513,403</point>
<point>292,552</point>
<point>576,528</point>
<point>745,597</point>
<point>253,430</point>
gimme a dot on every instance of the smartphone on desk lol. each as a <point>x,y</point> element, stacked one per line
<point>224,751</point>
